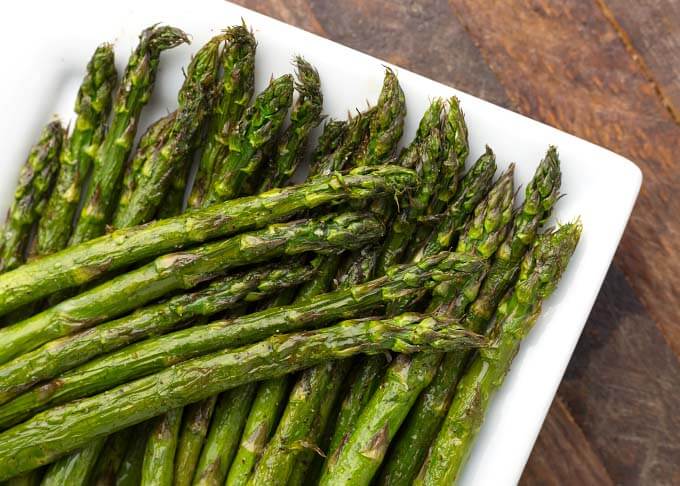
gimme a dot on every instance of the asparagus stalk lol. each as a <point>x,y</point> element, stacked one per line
<point>155,137</point>
<point>63,354</point>
<point>85,262</point>
<point>249,140</point>
<point>387,124</point>
<point>225,431</point>
<point>292,434</point>
<point>424,154</point>
<point>262,418</point>
<point>426,150</point>
<point>30,196</point>
<point>111,457</point>
<point>130,471</point>
<point>159,456</point>
<point>337,138</point>
<point>76,468</point>
<point>473,188</point>
<point>195,422</point>
<point>424,421</point>
<point>540,272</point>
<point>93,104</point>
<point>331,139</point>
<point>109,162</point>
<point>238,63</point>
<point>306,115</point>
<point>166,160</point>
<point>184,270</point>
<point>57,431</point>
<point>154,354</point>
<point>455,149</point>
<point>357,459</point>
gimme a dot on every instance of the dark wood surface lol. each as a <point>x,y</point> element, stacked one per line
<point>607,71</point>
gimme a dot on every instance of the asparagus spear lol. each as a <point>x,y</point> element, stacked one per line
<point>63,354</point>
<point>334,148</point>
<point>249,139</point>
<point>455,149</point>
<point>85,262</point>
<point>306,115</point>
<point>166,160</point>
<point>387,125</point>
<point>259,424</point>
<point>63,429</point>
<point>154,354</point>
<point>238,63</point>
<point>159,455</point>
<point>111,457</point>
<point>426,150</point>
<point>130,470</point>
<point>357,459</point>
<point>540,272</point>
<point>473,188</point>
<point>375,258</point>
<point>332,137</point>
<point>93,104</point>
<point>184,270</point>
<point>195,421</point>
<point>30,196</point>
<point>76,468</point>
<point>155,137</point>
<point>424,421</point>
<point>225,431</point>
<point>109,162</point>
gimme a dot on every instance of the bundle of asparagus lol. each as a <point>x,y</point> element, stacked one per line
<point>247,340</point>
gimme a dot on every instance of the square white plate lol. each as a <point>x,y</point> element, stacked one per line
<point>45,46</point>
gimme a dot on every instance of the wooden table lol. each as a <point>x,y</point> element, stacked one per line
<point>607,71</point>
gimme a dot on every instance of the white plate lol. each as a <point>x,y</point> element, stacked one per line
<point>45,46</point>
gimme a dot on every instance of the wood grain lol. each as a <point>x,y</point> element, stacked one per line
<point>563,451</point>
<point>596,69</point>
<point>652,30</point>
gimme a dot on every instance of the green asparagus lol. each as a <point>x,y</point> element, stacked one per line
<point>155,137</point>
<point>225,431</point>
<point>85,262</point>
<point>415,436</point>
<point>387,123</point>
<point>195,422</point>
<point>154,354</point>
<point>184,270</point>
<point>159,456</point>
<point>292,435</point>
<point>109,162</point>
<point>238,63</point>
<point>111,457</point>
<point>427,148</point>
<point>455,152</point>
<point>130,470</point>
<point>63,354</point>
<point>540,272</point>
<point>306,115</point>
<point>54,432</point>
<point>30,196</point>
<point>93,104</point>
<point>165,161</point>
<point>356,460</point>
<point>257,430</point>
<point>249,140</point>
<point>76,468</point>
<point>473,188</point>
